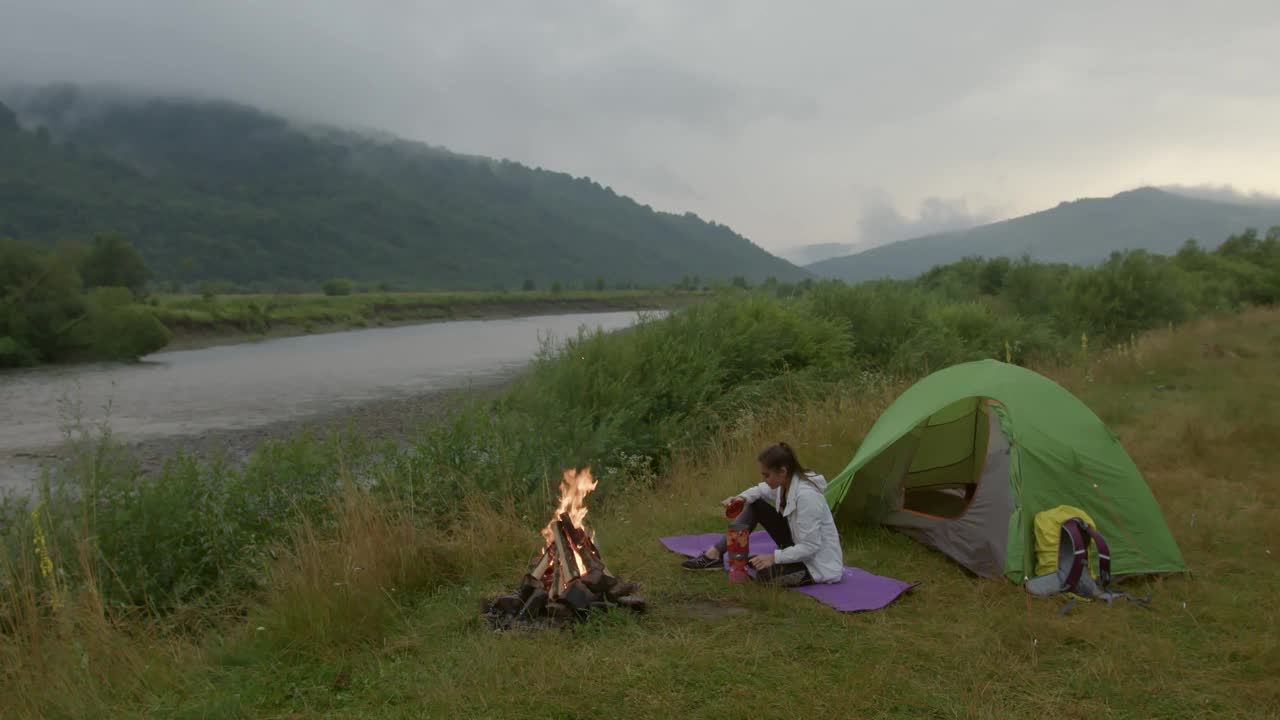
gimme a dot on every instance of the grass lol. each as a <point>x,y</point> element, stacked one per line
<point>376,616</point>
<point>196,320</point>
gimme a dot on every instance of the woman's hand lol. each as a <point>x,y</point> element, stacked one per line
<point>760,562</point>
<point>725,502</point>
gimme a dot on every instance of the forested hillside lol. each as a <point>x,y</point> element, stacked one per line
<point>218,191</point>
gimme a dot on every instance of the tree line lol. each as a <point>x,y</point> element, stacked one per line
<point>76,301</point>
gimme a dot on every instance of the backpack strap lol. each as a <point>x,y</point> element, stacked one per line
<point>1104,555</point>
<point>1074,540</point>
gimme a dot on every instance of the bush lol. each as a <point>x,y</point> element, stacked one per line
<point>14,354</point>
<point>112,262</point>
<point>338,286</point>
<point>116,329</point>
<point>1129,293</point>
<point>635,391</point>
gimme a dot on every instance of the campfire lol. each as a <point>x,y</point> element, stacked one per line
<point>567,578</point>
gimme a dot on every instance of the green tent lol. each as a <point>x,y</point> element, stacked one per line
<point>964,459</point>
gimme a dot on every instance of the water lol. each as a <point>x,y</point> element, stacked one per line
<point>234,387</point>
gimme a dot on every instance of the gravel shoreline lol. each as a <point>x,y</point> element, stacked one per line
<point>381,419</point>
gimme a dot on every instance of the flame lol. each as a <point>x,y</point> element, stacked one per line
<point>574,488</point>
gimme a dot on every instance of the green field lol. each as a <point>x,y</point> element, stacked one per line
<point>377,615</point>
<point>196,319</point>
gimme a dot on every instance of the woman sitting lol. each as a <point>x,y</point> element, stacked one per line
<point>789,503</point>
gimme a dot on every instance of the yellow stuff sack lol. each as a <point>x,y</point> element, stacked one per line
<point>1048,531</point>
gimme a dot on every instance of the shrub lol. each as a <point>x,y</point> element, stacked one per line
<point>337,286</point>
<point>1129,293</point>
<point>114,328</point>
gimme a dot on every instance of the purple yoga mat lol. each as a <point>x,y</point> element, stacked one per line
<point>858,590</point>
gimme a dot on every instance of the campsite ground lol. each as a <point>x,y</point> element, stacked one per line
<point>1196,408</point>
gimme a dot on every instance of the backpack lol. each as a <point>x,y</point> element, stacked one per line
<point>1072,574</point>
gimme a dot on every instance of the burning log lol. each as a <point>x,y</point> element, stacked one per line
<point>568,578</point>
<point>539,568</point>
<point>565,553</point>
<point>585,544</point>
<point>596,577</point>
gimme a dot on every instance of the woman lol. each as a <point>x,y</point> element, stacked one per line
<point>790,505</point>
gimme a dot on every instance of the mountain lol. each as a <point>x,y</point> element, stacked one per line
<point>1082,232</point>
<point>214,190</point>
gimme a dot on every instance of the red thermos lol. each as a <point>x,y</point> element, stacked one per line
<point>736,543</point>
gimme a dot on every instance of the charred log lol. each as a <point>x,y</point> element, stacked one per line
<point>508,604</point>
<point>535,605</point>
<point>559,611</point>
<point>632,602</point>
<point>598,582</point>
<point>622,589</point>
<point>528,586</point>
<point>577,596</point>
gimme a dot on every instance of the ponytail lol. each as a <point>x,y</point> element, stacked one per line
<point>780,456</point>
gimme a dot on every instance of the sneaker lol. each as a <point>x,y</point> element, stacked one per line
<point>702,562</point>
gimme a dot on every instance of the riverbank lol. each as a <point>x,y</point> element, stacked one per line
<point>224,401</point>
<point>207,321</point>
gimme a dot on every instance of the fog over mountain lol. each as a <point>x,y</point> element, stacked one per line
<point>1225,194</point>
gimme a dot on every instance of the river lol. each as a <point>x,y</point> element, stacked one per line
<point>240,389</point>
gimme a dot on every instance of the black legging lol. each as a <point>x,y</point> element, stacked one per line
<point>762,513</point>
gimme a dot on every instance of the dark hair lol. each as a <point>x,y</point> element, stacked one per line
<point>780,456</point>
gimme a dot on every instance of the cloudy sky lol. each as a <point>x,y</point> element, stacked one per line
<point>795,123</point>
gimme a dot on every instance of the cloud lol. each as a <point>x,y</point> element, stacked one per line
<point>882,223</point>
<point>1226,194</point>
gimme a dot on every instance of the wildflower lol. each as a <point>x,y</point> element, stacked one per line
<point>46,561</point>
<point>42,545</point>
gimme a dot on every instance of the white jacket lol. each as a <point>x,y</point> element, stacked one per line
<point>813,529</point>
